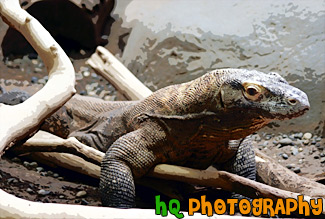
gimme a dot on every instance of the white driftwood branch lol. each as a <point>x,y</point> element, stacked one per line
<point>117,74</point>
<point>210,178</point>
<point>45,142</point>
<point>21,120</point>
<point>276,175</point>
<point>13,207</point>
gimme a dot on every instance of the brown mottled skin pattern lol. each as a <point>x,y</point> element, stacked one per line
<point>204,122</point>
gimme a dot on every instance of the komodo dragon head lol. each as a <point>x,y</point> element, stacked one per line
<point>269,95</point>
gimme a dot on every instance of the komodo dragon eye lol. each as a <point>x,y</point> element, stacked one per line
<point>252,91</point>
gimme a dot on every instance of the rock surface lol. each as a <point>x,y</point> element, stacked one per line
<point>189,40</point>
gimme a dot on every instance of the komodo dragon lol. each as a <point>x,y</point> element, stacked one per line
<point>204,122</point>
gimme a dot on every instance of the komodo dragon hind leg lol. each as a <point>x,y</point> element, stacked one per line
<point>131,156</point>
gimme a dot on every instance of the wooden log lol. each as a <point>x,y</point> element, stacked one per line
<point>117,74</point>
<point>215,178</point>
<point>13,207</point>
<point>19,121</point>
<point>45,142</point>
<point>276,175</point>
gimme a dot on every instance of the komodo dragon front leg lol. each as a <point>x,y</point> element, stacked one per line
<point>243,163</point>
<point>129,157</point>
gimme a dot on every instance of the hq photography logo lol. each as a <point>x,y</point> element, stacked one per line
<point>256,207</point>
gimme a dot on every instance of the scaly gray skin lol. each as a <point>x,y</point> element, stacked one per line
<point>196,124</point>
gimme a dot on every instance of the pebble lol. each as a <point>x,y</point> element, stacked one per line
<point>256,137</point>
<point>94,75</point>
<point>299,135</point>
<point>38,70</point>
<point>322,154</point>
<point>109,98</point>
<point>49,173</point>
<point>34,79</point>
<point>79,76</point>
<point>92,93</point>
<point>33,164</point>
<point>43,192</point>
<point>16,159</point>
<point>300,149</point>
<point>12,180</point>
<point>61,196</point>
<point>29,190</point>
<point>294,151</point>
<point>9,63</point>
<point>292,137</point>
<point>43,173</point>
<point>55,175</point>
<point>60,178</point>
<point>83,92</point>
<point>82,52</point>
<point>322,160</point>
<point>83,68</point>
<point>290,166</point>
<point>286,141</point>
<point>81,194</point>
<point>34,61</point>
<point>305,142</point>
<point>299,142</point>
<point>285,156</point>
<point>42,81</point>
<point>39,169</point>
<point>86,73</point>
<point>103,93</point>
<point>296,170</point>
<point>84,202</point>
<point>104,37</point>
<point>307,136</point>
<point>284,136</point>
<point>318,139</point>
<point>317,144</point>
<point>26,164</point>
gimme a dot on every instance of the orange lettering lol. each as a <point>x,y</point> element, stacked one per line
<point>192,209</point>
<point>220,206</point>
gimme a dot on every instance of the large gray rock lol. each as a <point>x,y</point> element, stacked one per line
<point>176,41</point>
